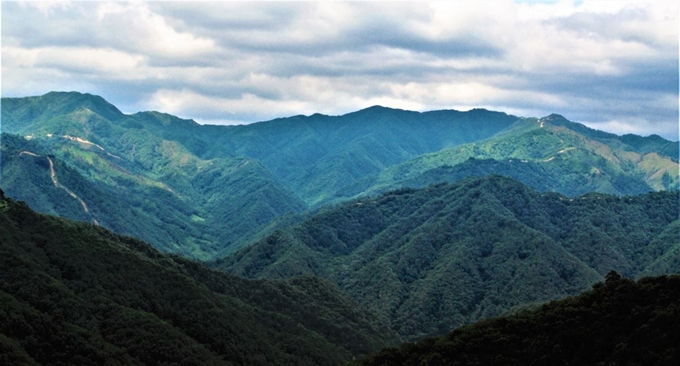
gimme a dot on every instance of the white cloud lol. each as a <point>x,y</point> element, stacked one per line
<point>248,61</point>
<point>181,102</point>
<point>47,7</point>
<point>90,60</point>
<point>16,57</point>
<point>634,126</point>
<point>137,26</point>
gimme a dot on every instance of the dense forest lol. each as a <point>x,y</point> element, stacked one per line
<point>205,191</point>
<point>327,238</point>
<point>428,260</point>
<point>618,322</point>
<point>76,294</point>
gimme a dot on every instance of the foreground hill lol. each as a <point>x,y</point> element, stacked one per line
<point>429,260</point>
<point>620,322</point>
<point>205,191</point>
<point>75,294</point>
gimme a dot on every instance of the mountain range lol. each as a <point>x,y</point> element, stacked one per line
<point>315,240</point>
<point>431,259</point>
<point>205,191</point>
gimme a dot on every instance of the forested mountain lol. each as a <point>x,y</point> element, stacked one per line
<point>431,259</point>
<point>205,191</point>
<point>549,154</point>
<point>76,294</point>
<point>183,203</point>
<point>411,215</point>
<point>318,155</point>
<point>619,322</point>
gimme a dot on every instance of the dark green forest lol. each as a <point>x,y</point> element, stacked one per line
<point>428,260</point>
<point>76,294</point>
<point>618,322</point>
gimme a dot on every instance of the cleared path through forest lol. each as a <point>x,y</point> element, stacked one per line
<point>53,176</point>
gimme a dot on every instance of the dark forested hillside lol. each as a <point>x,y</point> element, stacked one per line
<point>205,191</point>
<point>75,294</point>
<point>619,322</point>
<point>431,259</point>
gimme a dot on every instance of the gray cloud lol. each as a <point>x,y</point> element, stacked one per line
<point>608,64</point>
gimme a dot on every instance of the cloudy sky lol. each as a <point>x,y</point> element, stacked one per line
<point>611,65</point>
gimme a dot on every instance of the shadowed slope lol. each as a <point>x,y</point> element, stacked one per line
<point>620,322</point>
<point>75,294</point>
<point>431,259</point>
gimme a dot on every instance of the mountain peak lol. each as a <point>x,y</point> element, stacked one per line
<point>379,109</point>
<point>553,117</point>
<point>165,119</point>
<point>72,100</point>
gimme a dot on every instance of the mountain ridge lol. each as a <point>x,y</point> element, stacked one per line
<point>204,174</point>
<point>418,257</point>
<point>94,99</point>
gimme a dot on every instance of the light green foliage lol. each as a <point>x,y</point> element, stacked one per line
<point>137,174</point>
<point>550,154</point>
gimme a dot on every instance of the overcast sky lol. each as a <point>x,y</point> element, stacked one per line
<point>611,65</point>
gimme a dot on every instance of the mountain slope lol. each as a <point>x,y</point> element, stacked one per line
<point>431,259</point>
<point>314,156</point>
<point>558,155</point>
<point>620,322</point>
<point>75,294</point>
<point>145,160</point>
<point>317,155</point>
<point>205,191</point>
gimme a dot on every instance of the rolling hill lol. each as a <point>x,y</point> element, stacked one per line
<point>76,294</point>
<point>429,260</point>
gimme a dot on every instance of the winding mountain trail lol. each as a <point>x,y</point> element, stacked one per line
<point>53,176</point>
<point>29,153</point>
<point>83,141</point>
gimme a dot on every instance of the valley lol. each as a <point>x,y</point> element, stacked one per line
<point>618,321</point>
<point>315,240</point>
<point>340,183</point>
